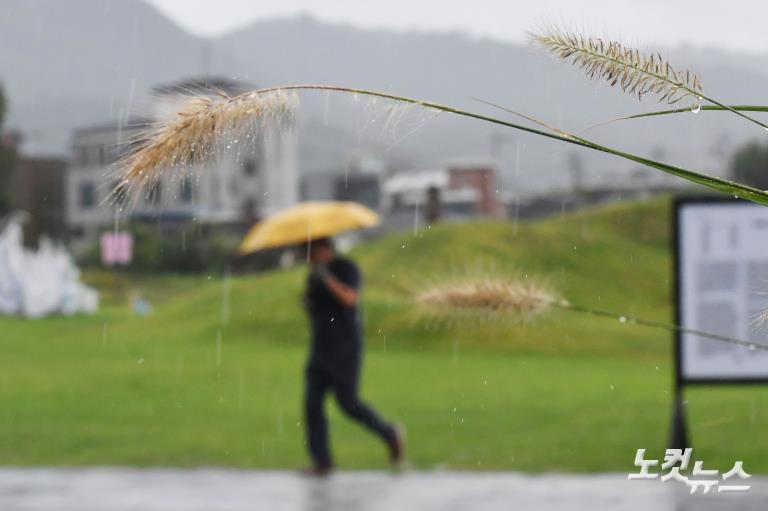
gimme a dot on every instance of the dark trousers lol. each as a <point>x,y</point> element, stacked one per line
<point>344,385</point>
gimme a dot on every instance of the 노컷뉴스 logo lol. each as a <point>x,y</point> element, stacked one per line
<point>675,464</point>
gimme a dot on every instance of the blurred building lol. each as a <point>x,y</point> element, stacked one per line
<point>455,191</point>
<point>640,184</point>
<point>246,180</point>
<point>36,186</point>
<point>360,181</point>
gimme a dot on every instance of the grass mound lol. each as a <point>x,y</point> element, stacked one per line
<point>214,375</point>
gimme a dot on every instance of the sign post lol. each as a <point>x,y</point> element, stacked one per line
<point>721,287</point>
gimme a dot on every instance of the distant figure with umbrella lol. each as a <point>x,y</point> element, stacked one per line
<point>331,299</point>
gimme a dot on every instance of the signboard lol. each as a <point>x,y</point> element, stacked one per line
<point>722,288</point>
<point>116,248</point>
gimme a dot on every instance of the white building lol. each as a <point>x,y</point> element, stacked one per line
<point>458,190</point>
<point>249,180</point>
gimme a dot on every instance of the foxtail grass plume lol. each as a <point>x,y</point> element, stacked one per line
<point>519,298</point>
<point>522,300</point>
<point>621,66</point>
<point>191,136</point>
<point>760,320</point>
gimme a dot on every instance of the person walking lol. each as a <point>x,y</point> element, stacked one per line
<point>332,299</point>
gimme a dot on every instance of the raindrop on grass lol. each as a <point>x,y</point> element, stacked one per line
<point>696,106</point>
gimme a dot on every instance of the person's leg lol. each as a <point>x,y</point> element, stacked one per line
<point>317,384</point>
<point>346,390</point>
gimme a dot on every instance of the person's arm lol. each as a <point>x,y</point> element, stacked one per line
<point>347,294</point>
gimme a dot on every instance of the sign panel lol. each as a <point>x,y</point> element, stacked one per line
<point>116,248</point>
<point>722,288</point>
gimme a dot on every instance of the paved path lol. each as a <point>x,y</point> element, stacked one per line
<point>115,489</point>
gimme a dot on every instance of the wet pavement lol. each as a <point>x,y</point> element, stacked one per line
<point>117,489</point>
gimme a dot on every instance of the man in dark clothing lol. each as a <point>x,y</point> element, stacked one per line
<point>332,302</point>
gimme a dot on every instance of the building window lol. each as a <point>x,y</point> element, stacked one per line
<point>119,193</point>
<point>185,190</point>
<point>155,193</point>
<point>82,155</point>
<point>250,166</point>
<point>87,197</point>
<point>250,209</point>
<point>111,154</point>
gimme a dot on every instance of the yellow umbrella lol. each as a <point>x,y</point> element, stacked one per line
<point>305,222</point>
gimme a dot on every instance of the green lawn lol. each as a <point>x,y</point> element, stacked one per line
<point>197,383</point>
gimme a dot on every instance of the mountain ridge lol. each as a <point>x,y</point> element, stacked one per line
<point>92,61</point>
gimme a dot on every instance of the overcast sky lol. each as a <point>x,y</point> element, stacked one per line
<point>730,24</point>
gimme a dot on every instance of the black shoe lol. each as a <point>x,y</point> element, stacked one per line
<point>316,470</point>
<point>397,447</point>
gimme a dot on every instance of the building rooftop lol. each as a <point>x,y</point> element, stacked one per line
<point>134,123</point>
<point>203,85</point>
<point>187,86</point>
<point>416,181</point>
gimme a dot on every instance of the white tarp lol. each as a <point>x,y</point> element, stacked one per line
<point>35,284</point>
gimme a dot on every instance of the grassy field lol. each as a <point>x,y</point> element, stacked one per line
<point>213,375</point>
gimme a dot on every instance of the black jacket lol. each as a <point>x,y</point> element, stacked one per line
<point>336,328</point>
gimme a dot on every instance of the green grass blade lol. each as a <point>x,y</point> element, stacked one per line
<point>722,185</point>
<point>715,108</point>
<point>734,111</point>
